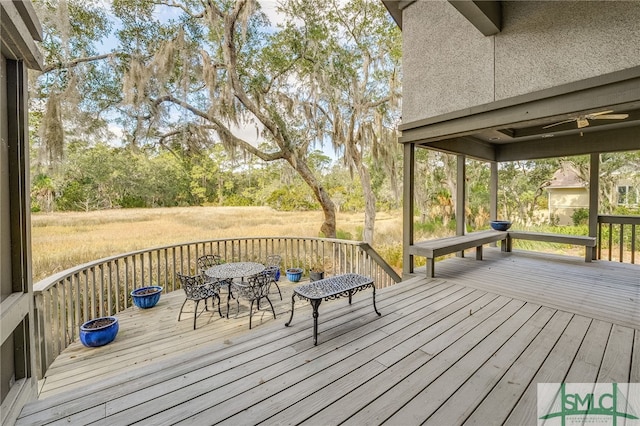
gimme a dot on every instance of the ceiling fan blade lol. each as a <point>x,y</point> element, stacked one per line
<point>582,122</point>
<point>595,114</point>
<point>559,123</point>
<point>611,117</point>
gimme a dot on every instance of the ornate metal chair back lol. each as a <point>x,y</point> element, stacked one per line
<point>195,288</point>
<point>273,260</point>
<point>208,260</point>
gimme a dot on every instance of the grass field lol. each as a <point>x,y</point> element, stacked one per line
<point>64,240</point>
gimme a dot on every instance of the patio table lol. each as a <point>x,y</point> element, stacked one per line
<point>329,289</point>
<point>228,271</point>
<point>231,270</point>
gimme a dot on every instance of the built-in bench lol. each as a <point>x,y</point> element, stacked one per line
<point>579,240</point>
<point>442,246</point>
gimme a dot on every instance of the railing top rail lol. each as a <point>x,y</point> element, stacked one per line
<point>47,282</point>
<point>619,219</point>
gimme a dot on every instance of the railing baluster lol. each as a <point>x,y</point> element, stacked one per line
<point>610,240</point>
<point>126,283</point>
<point>626,240</point>
<point>599,240</point>
<point>88,299</point>
<point>633,244</point>
<point>621,243</point>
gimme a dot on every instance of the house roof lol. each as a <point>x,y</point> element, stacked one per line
<point>19,27</point>
<point>567,177</point>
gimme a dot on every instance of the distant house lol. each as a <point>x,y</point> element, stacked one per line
<point>627,188</point>
<point>567,193</point>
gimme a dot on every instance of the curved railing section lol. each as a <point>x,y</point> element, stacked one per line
<point>618,238</point>
<point>67,299</point>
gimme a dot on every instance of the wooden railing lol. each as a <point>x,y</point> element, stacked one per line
<point>67,299</point>
<point>620,239</point>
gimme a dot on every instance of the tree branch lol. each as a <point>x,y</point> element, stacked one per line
<point>77,61</point>
<point>180,6</point>
<point>222,130</point>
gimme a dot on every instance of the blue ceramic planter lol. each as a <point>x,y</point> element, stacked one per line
<point>294,274</point>
<point>99,336</point>
<point>146,297</point>
<point>500,225</point>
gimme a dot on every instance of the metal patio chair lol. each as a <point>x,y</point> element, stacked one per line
<point>197,289</point>
<point>253,290</point>
<point>273,261</point>
<point>207,261</point>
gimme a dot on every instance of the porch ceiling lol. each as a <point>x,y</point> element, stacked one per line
<point>513,129</point>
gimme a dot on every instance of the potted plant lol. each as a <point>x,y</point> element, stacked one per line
<point>146,297</point>
<point>99,331</point>
<point>316,271</point>
<point>294,274</point>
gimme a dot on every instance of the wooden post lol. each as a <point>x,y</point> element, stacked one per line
<point>493,194</point>
<point>594,200</point>
<point>461,190</point>
<point>408,206</point>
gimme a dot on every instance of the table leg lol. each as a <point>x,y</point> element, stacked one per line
<point>315,304</point>
<point>293,303</point>
<point>374,300</point>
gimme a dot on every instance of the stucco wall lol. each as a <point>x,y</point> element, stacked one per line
<point>563,202</point>
<point>449,65</point>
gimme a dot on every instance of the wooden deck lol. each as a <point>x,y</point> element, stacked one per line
<point>468,347</point>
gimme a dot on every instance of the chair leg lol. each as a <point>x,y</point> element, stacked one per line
<point>278,287</point>
<point>229,289</point>
<point>270,304</point>
<point>250,314</point>
<point>195,313</point>
<point>181,308</point>
<point>219,311</point>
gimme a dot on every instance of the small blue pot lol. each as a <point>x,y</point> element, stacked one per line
<point>500,225</point>
<point>100,336</point>
<point>278,274</point>
<point>294,274</point>
<point>144,299</point>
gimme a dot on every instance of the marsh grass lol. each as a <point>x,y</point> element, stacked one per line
<point>64,240</point>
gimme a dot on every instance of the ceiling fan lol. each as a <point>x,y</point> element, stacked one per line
<point>583,120</point>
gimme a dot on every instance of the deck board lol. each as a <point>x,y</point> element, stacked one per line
<point>467,347</point>
<point>553,370</point>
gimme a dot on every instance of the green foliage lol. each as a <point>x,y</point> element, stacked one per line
<point>392,254</point>
<point>291,198</point>
<point>343,235</point>
<point>428,228</point>
<point>626,211</point>
<point>521,188</point>
<point>580,216</point>
<point>238,200</point>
